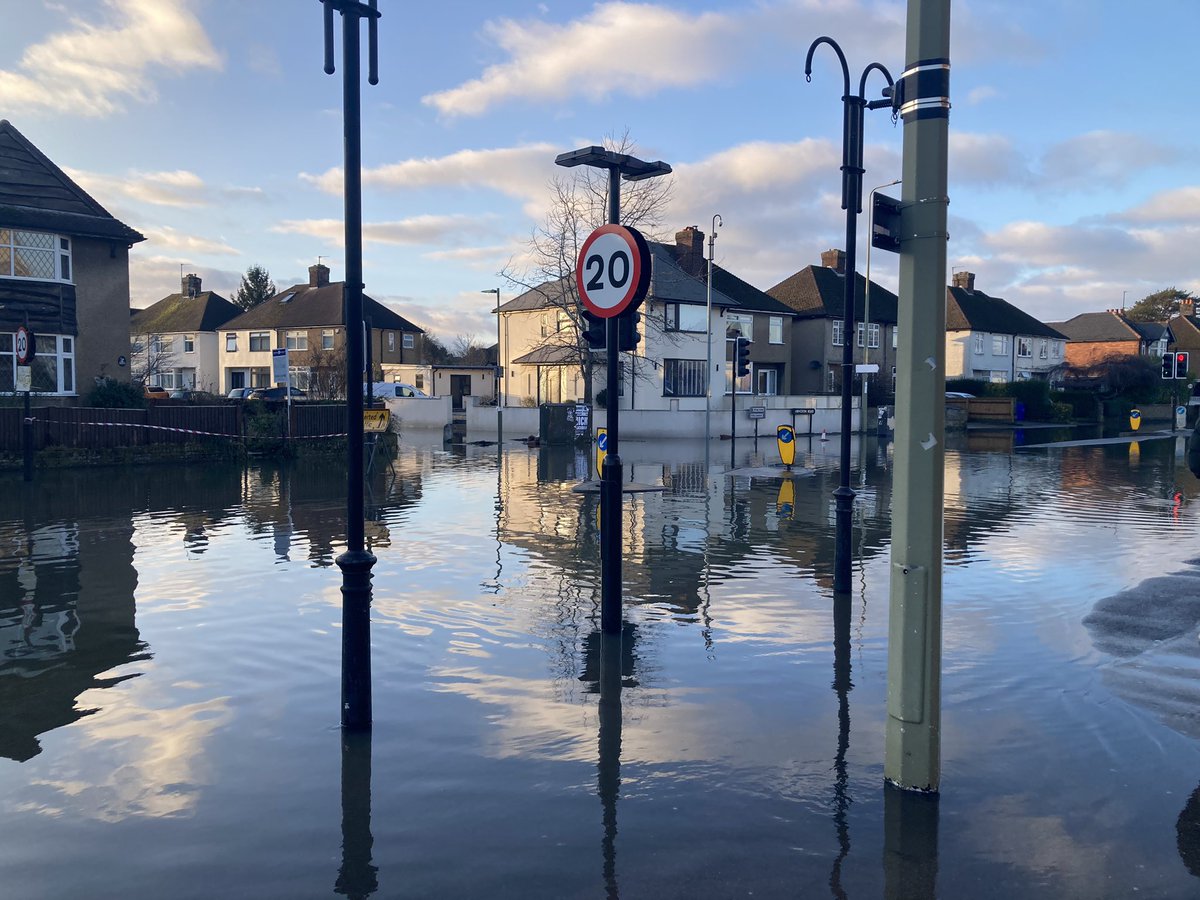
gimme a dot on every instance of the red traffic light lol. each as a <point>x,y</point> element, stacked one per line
<point>1181,364</point>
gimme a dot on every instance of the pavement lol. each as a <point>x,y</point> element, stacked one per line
<point>1128,438</point>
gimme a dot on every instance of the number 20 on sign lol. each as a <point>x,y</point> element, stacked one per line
<point>613,270</point>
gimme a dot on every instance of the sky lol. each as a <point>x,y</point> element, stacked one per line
<point>210,126</point>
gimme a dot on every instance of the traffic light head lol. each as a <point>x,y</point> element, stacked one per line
<point>1168,365</point>
<point>627,328</point>
<point>1181,364</point>
<point>741,347</point>
<point>593,329</point>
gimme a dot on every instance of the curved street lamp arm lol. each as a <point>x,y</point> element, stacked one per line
<point>841,58</point>
<point>862,82</point>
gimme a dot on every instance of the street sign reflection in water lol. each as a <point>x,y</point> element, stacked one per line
<point>785,436</point>
<point>785,503</point>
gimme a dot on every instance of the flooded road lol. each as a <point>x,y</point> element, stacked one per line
<point>169,683</point>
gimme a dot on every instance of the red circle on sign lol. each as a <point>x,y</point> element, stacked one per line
<point>612,273</point>
<point>25,345</point>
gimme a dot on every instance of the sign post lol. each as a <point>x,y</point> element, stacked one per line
<point>281,372</point>
<point>26,346</point>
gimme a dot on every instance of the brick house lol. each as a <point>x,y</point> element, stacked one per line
<point>1098,336</point>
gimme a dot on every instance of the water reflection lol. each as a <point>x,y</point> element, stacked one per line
<point>357,876</point>
<point>842,685</point>
<point>910,844</point>
<point>609,664</point>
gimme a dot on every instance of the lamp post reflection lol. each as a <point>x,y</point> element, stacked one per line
<point>842,685</point>
<point>357,877</point>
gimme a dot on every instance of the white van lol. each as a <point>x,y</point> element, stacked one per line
<point>389,390</point>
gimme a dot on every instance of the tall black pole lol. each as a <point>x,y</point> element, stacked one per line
<point>27,440</point>
<point>356,562</point>
<point>612,474</point>
<point>853,109</point>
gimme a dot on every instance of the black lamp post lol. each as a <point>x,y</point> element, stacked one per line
<point>854,106</point>
<point>357,561</point>
<point>619,165</point>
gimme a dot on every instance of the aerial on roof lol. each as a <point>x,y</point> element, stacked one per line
<point>37,194</point>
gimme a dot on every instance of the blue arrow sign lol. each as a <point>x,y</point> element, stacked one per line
<point>602,441</point>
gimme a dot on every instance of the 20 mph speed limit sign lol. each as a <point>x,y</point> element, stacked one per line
<point>613,270</point>
<point>26,346</point>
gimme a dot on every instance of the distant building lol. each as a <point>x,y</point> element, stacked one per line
<point>175,341</point>
<point>309,321</point>
<point>64,272</point>
<point>1099,336</point>
<point>989,339</point>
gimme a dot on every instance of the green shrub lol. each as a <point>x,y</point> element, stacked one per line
<point>975,386</point>
<point>112,394</point>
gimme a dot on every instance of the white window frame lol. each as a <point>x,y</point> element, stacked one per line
<point>327,338</point>
<point>296,340</point>
<point>231,342</point>
<point>741,323</point>
<point>262,339</point>
<point>189,343</point>
<point>1043,352</point>
<point>895,336</point>
<point>837,332</point>
<point>408,342</point>
<point>771,377</point>
<point>1024,348</point>
<point>685,376</point>
<point>391,341</point>
<point>979,338</point>
<point>60,347</point>
<point>999,345</point>
<point>775,330</point>
<point>60,249</point>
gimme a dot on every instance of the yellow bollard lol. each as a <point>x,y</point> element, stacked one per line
<point>1135,419</point>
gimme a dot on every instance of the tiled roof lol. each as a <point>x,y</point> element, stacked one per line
<point>819,292</point>
<point>305,306</point>
<point>207,311</point>
<point>37,194</point>
<point>976,311</point>
<point>1098,327</point>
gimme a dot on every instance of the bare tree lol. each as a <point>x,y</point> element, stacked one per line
<point>579,205</point>
<point>150,356</point>
<point>469,350</point>
<point>327,378</point>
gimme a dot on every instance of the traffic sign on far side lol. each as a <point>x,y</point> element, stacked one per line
<point>613,270</point>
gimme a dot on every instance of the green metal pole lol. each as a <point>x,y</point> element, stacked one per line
<point>912,758</point>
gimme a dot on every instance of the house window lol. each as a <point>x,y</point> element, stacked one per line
<point>999,344</point>
<point>231,342</point>
<point>684,378</point>
<point>159,345</point>
<point>895,336</point>
<point>419,382</point>
<point>545,325</point>
<point>1025,347</point>
<point>189,343</point>
<point>685,317</point>
<point>768,382</point>
<point>744,384</point>
<point>740,323</point>
<point>978,340</point>
<point>34,254</point>
<point>296,340</point>
<point>1058,349</point>
<point>837,332</point>
<point>300,377</point>
<point>1042,351</point>
<point>775,330</point>
<point>873,335</point>
<point>327,338</point>
<point>53,369</point>
<point>391,340</point>
<point>260,378</point>
<point>408,342</point>
<point>260,341</point>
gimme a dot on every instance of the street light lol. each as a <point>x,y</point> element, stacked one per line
<point>867,301</point>
<point>854,107</point>
<point>712,239</point>
<point>498,369</point>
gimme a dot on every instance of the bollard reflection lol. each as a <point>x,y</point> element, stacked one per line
<point>357,877</point>
<point>910,844</point>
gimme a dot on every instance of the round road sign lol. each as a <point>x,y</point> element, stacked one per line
<point>26,346</point>
<point>613,270</point>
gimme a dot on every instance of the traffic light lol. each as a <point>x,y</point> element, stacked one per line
<point>628,336</point>
<point>1181,364</point>
<point>1168,365</point>
<point>741,352</point>
<point>593,329</point>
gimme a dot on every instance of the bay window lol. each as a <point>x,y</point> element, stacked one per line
<point>52,370</point>
<point>34,254</point>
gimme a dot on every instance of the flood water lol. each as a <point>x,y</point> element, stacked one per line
<point>169,685</point>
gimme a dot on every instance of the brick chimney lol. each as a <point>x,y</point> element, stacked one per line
<point>834,259</point>
<point>689,245</point>
<point>189,285</point>
<point>1187,307</point>
<point>964,280</point>
<point>318,275</point>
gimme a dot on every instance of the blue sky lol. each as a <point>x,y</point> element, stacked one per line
<point>210,126</point>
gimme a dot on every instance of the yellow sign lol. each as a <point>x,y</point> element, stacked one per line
<point>785,435</point>
<point>375,421</point>
<point>601,450</point>
<point>1135,419</point>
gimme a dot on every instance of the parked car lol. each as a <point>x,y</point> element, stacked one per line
<point>387,390</point>
<point>959,395</point>
<point>154,392</point>
<point>276,393</point>
<point>239,393</point>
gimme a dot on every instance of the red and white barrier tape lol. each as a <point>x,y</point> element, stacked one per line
<point>190,430</point>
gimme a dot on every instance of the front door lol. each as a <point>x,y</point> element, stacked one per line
<point>460,386</point>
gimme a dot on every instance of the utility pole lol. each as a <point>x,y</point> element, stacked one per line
<point>912,757</point>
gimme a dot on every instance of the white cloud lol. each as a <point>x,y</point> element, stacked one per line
<point>166,237</point>
<point>90,68</point>
<point>978,95</point>
<point>179,188</point>
<point>153,277</point>
<point>986,159</point>
<point>619,47</point>
<point>1111,157</point>
<point>1178,205</point>
<point>418,230</point>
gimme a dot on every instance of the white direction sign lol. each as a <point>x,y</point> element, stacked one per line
<point>279,366</point>
<point>613,270</point>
